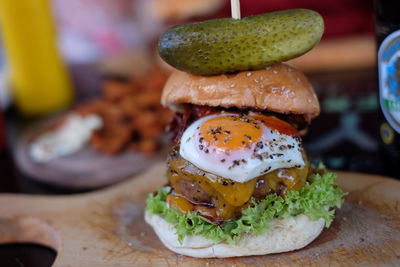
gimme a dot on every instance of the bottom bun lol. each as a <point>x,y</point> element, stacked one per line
<point>282,235</point>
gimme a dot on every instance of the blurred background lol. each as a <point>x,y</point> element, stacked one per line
<point>71,62</point>
<point>99,58</point>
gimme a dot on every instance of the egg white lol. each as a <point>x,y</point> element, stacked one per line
<point>277,151</point>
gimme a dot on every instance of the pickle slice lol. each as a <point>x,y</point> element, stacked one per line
<point>228,45</point>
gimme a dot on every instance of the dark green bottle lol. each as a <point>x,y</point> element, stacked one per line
<point>387,21</point>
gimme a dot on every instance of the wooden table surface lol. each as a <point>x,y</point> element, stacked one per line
<point>106,228</point>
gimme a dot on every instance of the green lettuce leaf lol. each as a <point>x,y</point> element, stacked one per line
<point>313,200</point>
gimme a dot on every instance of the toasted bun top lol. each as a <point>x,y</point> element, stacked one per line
<point>279,88</point>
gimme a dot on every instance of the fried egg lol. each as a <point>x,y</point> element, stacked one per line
<point>241,147</point>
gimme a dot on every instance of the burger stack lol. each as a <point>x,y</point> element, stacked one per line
<point>239,179</point>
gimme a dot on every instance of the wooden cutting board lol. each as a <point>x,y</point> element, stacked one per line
<point>106,228</point>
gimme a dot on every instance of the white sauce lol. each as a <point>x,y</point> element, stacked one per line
<point>73,135</point>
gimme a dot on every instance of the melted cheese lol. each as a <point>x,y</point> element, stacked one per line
<point>228,197</point>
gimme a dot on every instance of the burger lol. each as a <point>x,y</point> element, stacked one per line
<point>239,179</point>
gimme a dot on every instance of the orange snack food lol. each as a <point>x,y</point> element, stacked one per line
<point>132,115</point>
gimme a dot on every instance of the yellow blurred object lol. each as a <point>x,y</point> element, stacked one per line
<point>39,78</point>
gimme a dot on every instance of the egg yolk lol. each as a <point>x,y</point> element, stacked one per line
<point>231,132</point>
<point>235,132</point>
